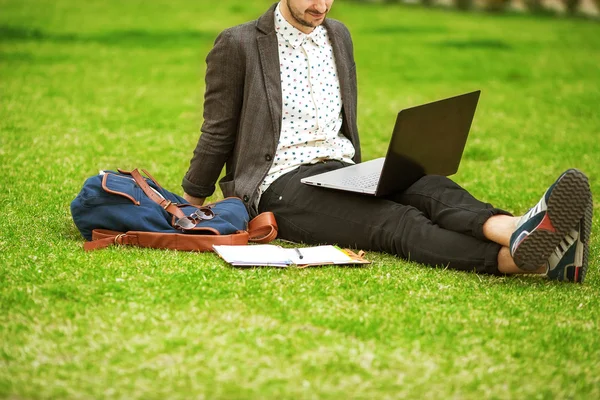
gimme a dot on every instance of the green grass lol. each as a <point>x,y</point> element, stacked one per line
<point>105,84</point>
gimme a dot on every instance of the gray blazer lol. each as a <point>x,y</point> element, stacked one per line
<point>242,108</point>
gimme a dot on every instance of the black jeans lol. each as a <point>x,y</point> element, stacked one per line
<point>434,222</point>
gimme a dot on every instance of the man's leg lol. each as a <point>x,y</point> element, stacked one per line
<point>452,207</point>
<point>553,236</point>
<point>316,215</point>
<point>499,229</point>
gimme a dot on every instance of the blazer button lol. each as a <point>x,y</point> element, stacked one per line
<point>268,157</point>
<point>246,198</point>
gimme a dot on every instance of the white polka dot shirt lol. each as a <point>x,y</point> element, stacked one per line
<point>311,102</point>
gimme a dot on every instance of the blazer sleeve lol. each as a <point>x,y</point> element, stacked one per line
<point>222,107</point>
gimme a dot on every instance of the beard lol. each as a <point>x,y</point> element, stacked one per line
<point>298,17</point>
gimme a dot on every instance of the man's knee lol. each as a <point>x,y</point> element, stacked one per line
<point>430,184</point>
<point>413,230</point>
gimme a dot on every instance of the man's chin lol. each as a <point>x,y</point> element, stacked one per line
<point>311,21</point>
<point>316,22</point>
<point>311,24</point>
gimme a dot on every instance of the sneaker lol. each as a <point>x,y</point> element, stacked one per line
<point>569,261</point>
<point>545,225</point>
<point>566,261</point>
<point>585,232</point>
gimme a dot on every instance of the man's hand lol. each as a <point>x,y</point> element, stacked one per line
<point>197,201</point>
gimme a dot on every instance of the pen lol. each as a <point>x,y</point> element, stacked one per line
<point>300,256</point>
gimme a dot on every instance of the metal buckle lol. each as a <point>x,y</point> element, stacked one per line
<point>118,238</point>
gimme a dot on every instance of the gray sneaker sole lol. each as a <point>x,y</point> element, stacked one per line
<point>586,231</point>
<point>566,207</point>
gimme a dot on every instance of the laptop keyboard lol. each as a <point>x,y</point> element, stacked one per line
<point>362,181</point>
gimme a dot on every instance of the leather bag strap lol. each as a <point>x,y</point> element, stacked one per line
<point>263,228</point>
<point>102,238</point>
<point>155,197</point>
<point>125,172</point>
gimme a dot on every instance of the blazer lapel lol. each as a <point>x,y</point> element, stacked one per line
<point>269,61</point>
<point>341,59</point>
<point>344,70</point>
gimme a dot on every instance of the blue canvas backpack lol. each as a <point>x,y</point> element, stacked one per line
<point>125,208</point>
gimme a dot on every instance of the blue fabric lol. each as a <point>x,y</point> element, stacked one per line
<point>122,206</point>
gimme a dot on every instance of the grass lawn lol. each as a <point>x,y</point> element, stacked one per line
<point>104,84</point>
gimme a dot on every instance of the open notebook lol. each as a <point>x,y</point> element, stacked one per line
<point>276,256</point>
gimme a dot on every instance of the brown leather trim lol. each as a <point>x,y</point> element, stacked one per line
<point>263,228</point>
<point>152,195</point>
<point>125,172</point>
<point>151,178</point>
<point>106,189</point>
<point>102,238</point>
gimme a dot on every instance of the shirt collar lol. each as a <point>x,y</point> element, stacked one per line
<point>294,36</point>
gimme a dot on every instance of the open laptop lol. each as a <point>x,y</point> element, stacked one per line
<point>427,140</point>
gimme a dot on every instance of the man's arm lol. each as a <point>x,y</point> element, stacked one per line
<point>222,106</point>
<point>197,201</point>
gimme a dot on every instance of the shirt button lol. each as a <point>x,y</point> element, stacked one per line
<point>268,157</point>
<point>246,198</point>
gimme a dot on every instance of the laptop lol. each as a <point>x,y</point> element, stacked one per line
<point>427,140</point>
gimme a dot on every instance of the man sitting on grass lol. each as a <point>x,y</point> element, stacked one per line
<point>280,105</point>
